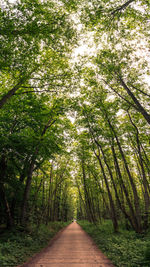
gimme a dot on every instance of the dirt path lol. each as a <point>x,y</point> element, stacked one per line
<point>70,248</point>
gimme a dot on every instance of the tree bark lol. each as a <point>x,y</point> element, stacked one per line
<point>10,221</point>
<point>27,190</point>
<point>87,198</point>
<point>49,195</point>
<point>133,219</point>
<point>127,216</point>
<point>140,108</point>
<point>135,194</point>
<point>81,199</point>
<point>122,7</point>
<point>3,168</point>
<point>10,93</point>
<point>112,206</point>
<point>6,97</point>
<point>144,180</point>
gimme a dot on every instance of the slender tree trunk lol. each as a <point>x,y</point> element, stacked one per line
<point>133,220</point>
<point>80,196</point>
<point>144,180</point>
<point>26,192</point>
<point>136,198</point>
<point>112,206</point>
<point>87,198</point>
<point>147,161</point>
<point>10,221</point>
<point>18,187</point>
<point>122,7</point>
<point>36,197</point>
<point>127,216</point>
<point>3,168</point>
<point>43,202</point>
<point>49,195</point>
<point>97,202</point>
<point>140,108</point>
<point>102,194</point>
<point>6,97</point>
<point>92,204</point>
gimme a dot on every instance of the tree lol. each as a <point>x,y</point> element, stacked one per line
<point>31,31</point>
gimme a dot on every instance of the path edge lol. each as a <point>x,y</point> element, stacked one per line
<point>103,255</point>
<point>43,250</point>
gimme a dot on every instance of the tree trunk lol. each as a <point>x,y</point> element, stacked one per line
<point>122,7</point>
<point>87,198</point>
<point>122,207</point>
<point>112,206</point>
<point>6,97</point>
<point>133,221</point>
<point>80,197</point>
<point>3,167</point>
<point>140,108</point>
<point>136,198</point>
<point>26,192</point>
<point>10,221</point>
<point>144,180</point>
<point>49,195</point>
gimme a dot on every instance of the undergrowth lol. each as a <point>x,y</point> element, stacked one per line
<point>124,249</point>
<point>17,246</point>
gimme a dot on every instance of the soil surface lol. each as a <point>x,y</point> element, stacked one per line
<point>72,247</point>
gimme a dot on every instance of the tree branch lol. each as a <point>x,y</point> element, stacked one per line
<point>122,7</point>
<point>26,92</point>
<point>139,90</point>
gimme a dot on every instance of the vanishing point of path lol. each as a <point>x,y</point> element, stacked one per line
<point>70,248</point>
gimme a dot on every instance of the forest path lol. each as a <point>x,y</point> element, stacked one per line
<point>72,247</point>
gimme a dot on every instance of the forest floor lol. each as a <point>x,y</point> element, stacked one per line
<point>125,248</point>
<point>71,247</point>
<point>18,245</point>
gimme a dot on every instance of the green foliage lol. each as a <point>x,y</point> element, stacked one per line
<point>102,158</point>
<point>16,247</point>
<point>147,253</point>
<point>25,25</point>
<point>125,248</point>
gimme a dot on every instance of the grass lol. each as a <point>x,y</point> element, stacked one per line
<point>124,249</point>
<point>18,246</point>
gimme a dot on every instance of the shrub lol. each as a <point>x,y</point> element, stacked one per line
<point>124,249</point>
<point>17,246</point>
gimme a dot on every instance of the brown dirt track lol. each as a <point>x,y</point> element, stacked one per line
<point>71,247</point>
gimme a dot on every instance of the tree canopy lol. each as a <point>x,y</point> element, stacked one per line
<point>74,109</point>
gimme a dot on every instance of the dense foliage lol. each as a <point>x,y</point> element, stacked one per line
<point>124,249</point>
<point>17,246</point>
<point>35,76</point>
<point>113,116</point>
<point>74,112</point>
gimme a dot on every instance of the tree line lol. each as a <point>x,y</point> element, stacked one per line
<point>102,159</point>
